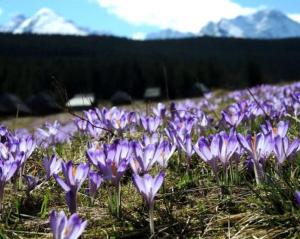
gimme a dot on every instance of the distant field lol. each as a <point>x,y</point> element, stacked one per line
<point>32,122</point>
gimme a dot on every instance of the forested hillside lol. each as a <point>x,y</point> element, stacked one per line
<point>30,63</point>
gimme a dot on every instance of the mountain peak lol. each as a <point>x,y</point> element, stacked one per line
<point>269,12</point>
<point>45,11</point>
<point>13,23</point>
<point>264,24</point>
<point>44,21</point>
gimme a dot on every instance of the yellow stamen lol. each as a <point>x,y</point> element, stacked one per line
<point>74,170</point>
<point>67,231</point>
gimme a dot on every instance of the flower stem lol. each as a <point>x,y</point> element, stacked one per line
<point>118,199</point>
<point>20,177</point>
<point>151,219</point>
<point>257,176</point>
<point>72,199</point>
<point>1,200</point>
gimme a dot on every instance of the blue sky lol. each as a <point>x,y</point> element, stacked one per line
<point>137,17</point>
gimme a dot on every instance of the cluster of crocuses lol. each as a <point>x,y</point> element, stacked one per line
<point>64,228</point>
<point>55,133</point>
<point>185,119</point>
<point>15,148</point>
<point>110,162</point>
<point>100,121</point>
<point>137,142</point>
<point>257,147</point>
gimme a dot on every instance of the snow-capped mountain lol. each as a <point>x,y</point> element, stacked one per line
<point>14,23</point>
<point>168,34</point>
<point>45,21</point>
<point>264,24</point>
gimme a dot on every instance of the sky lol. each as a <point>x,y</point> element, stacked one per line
<point>135,18</point>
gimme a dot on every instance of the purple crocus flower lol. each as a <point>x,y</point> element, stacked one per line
<point>149,123</point>
<point>280,129</point>
<point>283,148</point>
<point>112,160</point>
<point>17,147</point>
<point>19,157</point>
<point>94,124</point>
<point>8,169</point>
<point>66,132</point>
<point>116,119</point>
<point>27,145</point>
<point>46,137</point>
<point>202,119</point>
<point>187,146</point>
<point>3,130</point>
<point>4,151</point>
<point>148,187</point>
<point>52,166</point>
<point>206,152</point>
<point>232,118</point>
<point>167,150</point>
<point>171,133</point>
<point>95,181</point>
<point>81,124</point>
<point>160,110</point>
<point>223,146</point>
<point>54,133</point>
<point>179,132</point>
<point>14,148</point>
<point>259,147</point>
<point>133,119</point>
<point>144,157</point>
<point>152,139</point>
<point>64,228</point>
<point>74,177</point>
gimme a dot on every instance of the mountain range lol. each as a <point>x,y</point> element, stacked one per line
<point>45,21</point>
<point>263,24</point>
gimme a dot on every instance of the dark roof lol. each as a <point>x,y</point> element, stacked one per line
<point>10,105</point>
<point>42,103</point>
<point>121,98</point>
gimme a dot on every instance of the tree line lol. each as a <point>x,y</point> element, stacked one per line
<point>102,64</point>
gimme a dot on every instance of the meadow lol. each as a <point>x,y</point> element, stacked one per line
<point>222,166</point>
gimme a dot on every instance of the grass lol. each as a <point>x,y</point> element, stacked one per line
<point>188,206</point>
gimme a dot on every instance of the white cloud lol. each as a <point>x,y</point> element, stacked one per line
<point>295,17</point>
<point>181,15</point>
<point>139,36</point>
